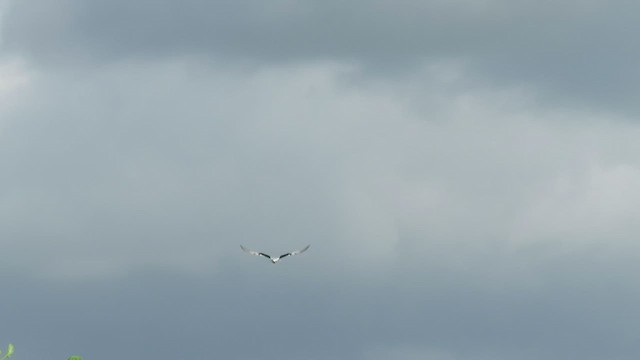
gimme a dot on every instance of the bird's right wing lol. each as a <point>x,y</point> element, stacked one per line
<point>253,252</point>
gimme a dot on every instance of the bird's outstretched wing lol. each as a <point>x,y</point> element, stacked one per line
<point>295,252</point>
<point>253,252</point>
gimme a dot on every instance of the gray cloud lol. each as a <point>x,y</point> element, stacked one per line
<point>574,311</point>
<point>572,52</point>
<point>474,230</point>
<point>452,214</point>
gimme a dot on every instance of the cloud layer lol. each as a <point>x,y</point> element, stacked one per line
<point>468,187</point>
<point>582,52</point>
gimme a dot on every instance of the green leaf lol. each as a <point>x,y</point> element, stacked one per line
<point>76,357</point>
<point>9,352</point>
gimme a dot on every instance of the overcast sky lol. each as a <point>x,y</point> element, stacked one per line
<point>466,172</point>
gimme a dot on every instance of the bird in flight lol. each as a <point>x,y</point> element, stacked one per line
<point>274,259</point>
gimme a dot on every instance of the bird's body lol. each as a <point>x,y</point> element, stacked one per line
<point>273,259</point>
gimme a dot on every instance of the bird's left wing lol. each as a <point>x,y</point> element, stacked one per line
<point>296,252</point>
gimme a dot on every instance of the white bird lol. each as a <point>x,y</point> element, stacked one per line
<point>274,259</point>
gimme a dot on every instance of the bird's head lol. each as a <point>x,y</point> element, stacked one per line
<point>275,260</point>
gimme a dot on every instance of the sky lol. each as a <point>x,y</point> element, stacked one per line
<point>466,172</point>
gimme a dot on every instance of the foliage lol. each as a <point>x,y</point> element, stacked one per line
<point>9,352</point>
